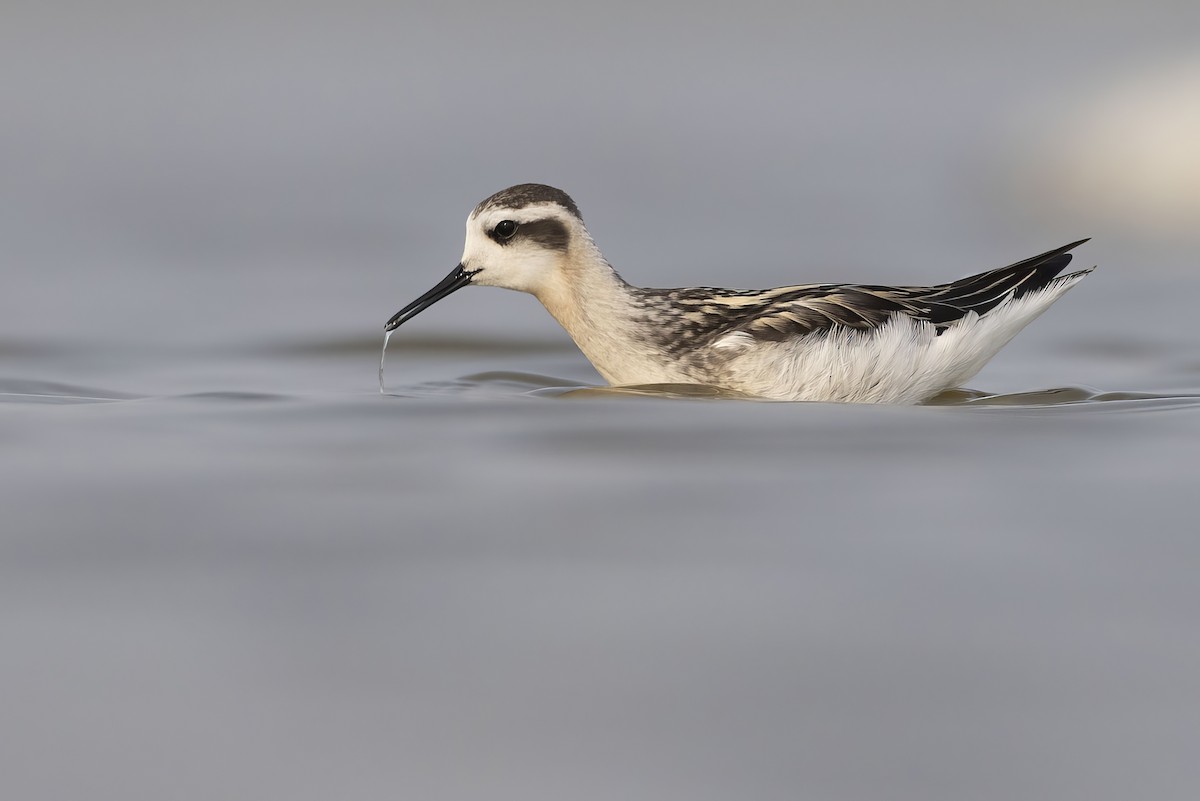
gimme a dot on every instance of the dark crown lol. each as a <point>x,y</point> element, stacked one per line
<point>522,195</point>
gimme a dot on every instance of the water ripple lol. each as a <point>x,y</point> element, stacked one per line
<point>21,390</point>
<point>1068,397</point>
<point>502,384</point>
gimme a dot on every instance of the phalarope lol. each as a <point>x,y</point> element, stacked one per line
<point>820,342</point>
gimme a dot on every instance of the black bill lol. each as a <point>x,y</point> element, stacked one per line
<point>458,278</point>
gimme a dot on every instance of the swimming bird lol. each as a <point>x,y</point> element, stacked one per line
<point>855,343</point>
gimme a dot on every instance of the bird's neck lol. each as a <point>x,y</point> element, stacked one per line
<point>597,308</point>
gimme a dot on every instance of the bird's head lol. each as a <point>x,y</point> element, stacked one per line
<point>522,238</point>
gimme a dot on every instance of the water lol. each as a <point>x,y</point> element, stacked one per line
<point>230,568</point>
<point>502,580</point>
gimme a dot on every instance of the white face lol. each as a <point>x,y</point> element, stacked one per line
<point>523,249</point>
<point>527,249</point>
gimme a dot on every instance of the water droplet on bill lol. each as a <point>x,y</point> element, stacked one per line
<point>386,336</point>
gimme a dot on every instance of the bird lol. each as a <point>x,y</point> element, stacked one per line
<point>834,342</point>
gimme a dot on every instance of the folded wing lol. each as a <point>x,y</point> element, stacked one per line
<point>795,311</point>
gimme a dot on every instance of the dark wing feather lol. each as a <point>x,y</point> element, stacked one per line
<point>795,311</point>
<point>686,318</point>
<point>983,292</point>
<point>805,310</point>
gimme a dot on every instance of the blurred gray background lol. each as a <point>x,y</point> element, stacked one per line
<point>230,569</point>
<point>199,172</point>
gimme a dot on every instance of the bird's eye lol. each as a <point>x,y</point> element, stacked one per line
<point>505,229</point>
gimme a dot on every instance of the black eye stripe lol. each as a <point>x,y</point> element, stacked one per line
<point>548,233</point>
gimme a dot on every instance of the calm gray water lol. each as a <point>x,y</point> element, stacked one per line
<point>230,568</point>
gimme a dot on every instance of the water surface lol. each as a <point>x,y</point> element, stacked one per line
<point>503,579</point>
